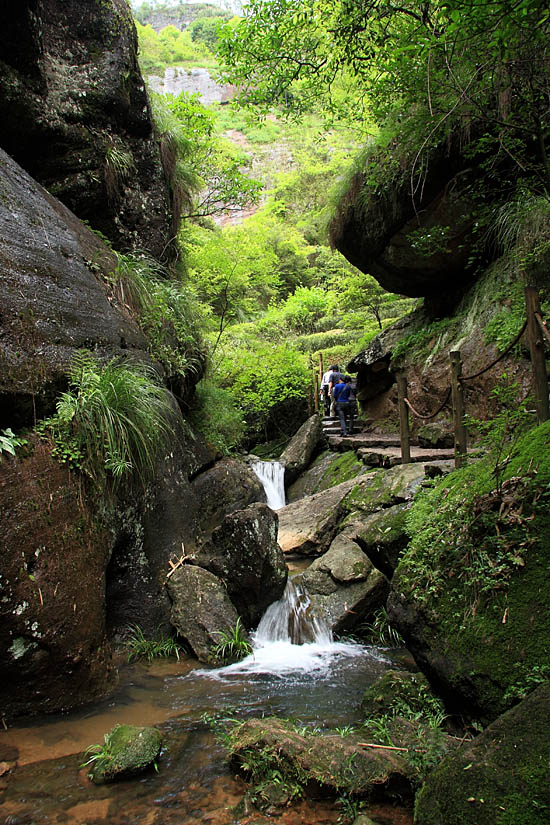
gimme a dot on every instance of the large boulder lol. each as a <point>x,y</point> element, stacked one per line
<point>244,553</point>
<point>413,245</point>
<point>343,585</point>
<point>301,447</point>
<point>327,470</point>
<point>76,116</point>
<point>382,537</point>
<point>201,609</point>
<point>499,777</point>
<point>55,653</point>
<point>228,486</point>
<point>307,526</point>
<point>55,298</point>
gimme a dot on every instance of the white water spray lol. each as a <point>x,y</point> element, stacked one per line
<point>291,640</point>
<point>272,476</point>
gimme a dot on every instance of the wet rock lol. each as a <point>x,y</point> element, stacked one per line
<point>307,526</point>
<point>343,585</point>
<point>76,116</point>
<point>382,537</point>
<point>299,451</point>
<point>201,609</point>
<point>228,486</point>
<point>321,763</point>
<point>54,650</point>
<point>244,553</point>
<point>501,774</point>
<point>128,751</point>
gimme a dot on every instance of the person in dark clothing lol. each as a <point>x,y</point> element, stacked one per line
<point>341,393</point>
<point>335,376</point>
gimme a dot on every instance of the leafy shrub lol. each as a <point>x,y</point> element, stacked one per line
<point>167,312</point>
<point>112,420</point>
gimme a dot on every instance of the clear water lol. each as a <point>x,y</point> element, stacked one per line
<point>319,683</point>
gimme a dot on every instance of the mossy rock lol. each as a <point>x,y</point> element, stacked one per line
<point>129,750</point>
<point>382,537</point>
<point>499,778</point>
<point>398,686</point>
<point>472,602</point>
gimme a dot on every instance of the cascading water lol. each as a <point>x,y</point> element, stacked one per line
<point>291,640</point>
<point>272,476</point>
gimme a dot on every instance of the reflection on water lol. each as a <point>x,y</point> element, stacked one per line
<point>316,686</point>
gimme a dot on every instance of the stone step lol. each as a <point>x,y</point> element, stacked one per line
<point>364,440</point>
<point>391,456</point>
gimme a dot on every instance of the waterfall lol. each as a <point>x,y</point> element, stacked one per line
<point>292,620</point>
<point>272,476</point>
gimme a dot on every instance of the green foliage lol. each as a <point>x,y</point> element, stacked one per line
<point>233,645</point>
<point>470,537</point>
<point>9,442</point>
<point>417,342</point>
<point>99,755</point>
<point>527,681</point>
<point>112,420</point>
<point>171,47</point>
<point>378,631</point>
<point>217,416</point>
<point>139,647</point>
<point>119,165</point>
<point>269,384</point>
<point>166,311</point>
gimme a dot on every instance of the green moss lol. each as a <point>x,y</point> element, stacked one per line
<point>477,569</point>
<point>345,467</point>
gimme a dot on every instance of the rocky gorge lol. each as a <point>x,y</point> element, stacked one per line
<point>459,562</point>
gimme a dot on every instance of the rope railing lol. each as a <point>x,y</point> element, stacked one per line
<point>502,355</point>
<point>431,415</point>
<point>537,331</point>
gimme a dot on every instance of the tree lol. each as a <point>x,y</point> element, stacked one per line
<point>420,68</point>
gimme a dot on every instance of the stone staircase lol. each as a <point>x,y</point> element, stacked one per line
<point>378,449</point>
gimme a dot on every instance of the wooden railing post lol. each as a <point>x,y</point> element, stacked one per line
<point>536,348</point>
<point>403,418</point>
<point>457,391</point>
<point>316,391</point>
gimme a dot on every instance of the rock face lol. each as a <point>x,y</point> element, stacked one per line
<point>299,451</point>
<point>410,245</point>
<point>76,116</point>
<point>200,609</point>
<point>53,303</point>
<point>244,553</point>
<point>55,653</point>
<point>308,526</point>
<point>500,775</point>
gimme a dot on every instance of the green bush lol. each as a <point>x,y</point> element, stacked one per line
<point>112,420</point>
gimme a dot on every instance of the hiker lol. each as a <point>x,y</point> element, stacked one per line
<point>344,407</point>
<point>325,393</point>
<point>335,376</point>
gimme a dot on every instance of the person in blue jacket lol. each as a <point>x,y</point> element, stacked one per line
<point>344,407</point>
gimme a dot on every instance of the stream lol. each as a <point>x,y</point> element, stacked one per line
<point>319,684</point>
<point>296,670</point>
